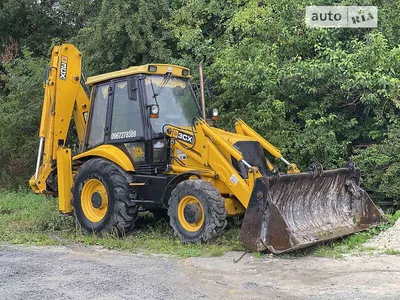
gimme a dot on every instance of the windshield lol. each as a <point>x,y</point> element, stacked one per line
<point>176,101</point>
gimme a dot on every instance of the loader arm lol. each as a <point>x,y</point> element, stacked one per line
<point>242,128</point>
<point>207,151</point>
<point>64,97</point>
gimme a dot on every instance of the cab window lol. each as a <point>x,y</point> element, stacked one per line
<point>176,101</point>
<point>126,119</point>
<point>98,116</point>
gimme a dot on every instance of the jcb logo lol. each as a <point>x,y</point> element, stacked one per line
<point>63,67</point>
<point>185,137</point>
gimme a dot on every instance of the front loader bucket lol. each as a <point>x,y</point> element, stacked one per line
<point>298,210</point>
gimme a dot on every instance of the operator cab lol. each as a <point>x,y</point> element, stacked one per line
<point>130,109</point>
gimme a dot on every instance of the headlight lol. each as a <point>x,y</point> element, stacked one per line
<point>155,109</point>
<point>152,68</point>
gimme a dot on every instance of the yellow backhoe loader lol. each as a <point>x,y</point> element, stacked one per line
<point>145,142</point>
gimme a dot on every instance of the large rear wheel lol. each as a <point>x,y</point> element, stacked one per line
<point>101,198</point>
<point>197,211</point>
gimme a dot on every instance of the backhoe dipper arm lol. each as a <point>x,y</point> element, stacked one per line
<point>242,128</point>
<point>64,97</point>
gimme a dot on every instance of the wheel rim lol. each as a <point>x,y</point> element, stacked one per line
<point>94,200</point>
<point>190,213</point>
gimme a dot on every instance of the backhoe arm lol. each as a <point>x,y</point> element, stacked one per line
<point>64,97</point>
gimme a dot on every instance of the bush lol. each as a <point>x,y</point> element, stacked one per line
<point>20,110</point>
<point>382,163</point>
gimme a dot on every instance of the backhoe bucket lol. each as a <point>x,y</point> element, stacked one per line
<point>298,210</point>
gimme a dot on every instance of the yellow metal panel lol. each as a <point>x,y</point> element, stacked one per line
<point>64,174</point>
<point>67,87</point>
<point>242,127</point>
<point>232,137</point>
<point>228,174</point>
<point>111,153</point>
<point>49,89</point>
<point>218,140</point>
<point>220,185</point>
<point>213,151</point>
<point>39,186</point>
<point>234,207</point>
<point>270,165</point>
<point>33,185</point>
<point>161,70</point>
<point>202,172</point>
<point>81,114</point>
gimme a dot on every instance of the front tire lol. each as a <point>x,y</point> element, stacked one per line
<point>197,211</point>
<point>101,198</point>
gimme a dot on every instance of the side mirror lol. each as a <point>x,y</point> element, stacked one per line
<point>154,111</point>
<point>132,88</point>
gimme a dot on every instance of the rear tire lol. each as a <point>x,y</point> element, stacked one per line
<point>197,211</point>
<point>101,198</point>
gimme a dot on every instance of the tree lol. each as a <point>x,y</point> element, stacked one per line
<point>34,24</point>
<point>125,33</point>
<point>383,164</point>
<point>20,112</point>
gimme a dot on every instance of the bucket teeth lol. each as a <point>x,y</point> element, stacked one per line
<point>299,210</point>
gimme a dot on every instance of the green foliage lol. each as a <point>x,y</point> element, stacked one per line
<point>27,218</point>
<point>392,252</point>
<point>383,162</point>
<point>125,33</point>
<point>35,24</point>
<point>20,111</point>
<point>334,93</point>
<point>393,218</point>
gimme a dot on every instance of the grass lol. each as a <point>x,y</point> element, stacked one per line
<point>392,252</point>
<point>31,219</point>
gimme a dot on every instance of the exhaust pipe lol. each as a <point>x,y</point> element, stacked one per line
<point>203,103</point>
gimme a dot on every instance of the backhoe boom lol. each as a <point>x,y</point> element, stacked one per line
<point>64,97</point>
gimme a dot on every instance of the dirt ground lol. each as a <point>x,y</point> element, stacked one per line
<point>77,272</point>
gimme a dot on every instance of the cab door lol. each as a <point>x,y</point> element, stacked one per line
<point>126,118</point>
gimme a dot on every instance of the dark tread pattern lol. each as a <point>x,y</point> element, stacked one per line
<point>124,212</point>
<point>213,205</point>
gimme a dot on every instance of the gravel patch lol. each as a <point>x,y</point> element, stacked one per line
<point>387,240</point>
<point>94,273</point>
